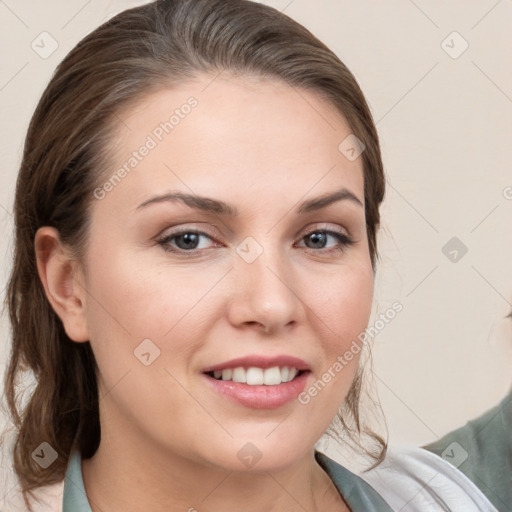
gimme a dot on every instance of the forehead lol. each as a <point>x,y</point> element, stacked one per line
<point>220,135</point>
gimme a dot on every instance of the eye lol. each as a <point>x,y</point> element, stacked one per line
<point>190,241</point>
<point>319,238</point>
<point>183,241</point>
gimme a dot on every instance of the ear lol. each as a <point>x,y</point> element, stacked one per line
<point>60,275</point>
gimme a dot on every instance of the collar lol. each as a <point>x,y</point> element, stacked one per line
<point>75,498</point>
<point>358,494</point>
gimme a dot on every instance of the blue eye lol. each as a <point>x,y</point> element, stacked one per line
<point>188,241</point>
<point>185,241</point>
<point>319,237</point>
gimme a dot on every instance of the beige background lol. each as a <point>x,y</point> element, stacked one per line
<point>445,126</point>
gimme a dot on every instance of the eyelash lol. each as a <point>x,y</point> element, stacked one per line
<point>343,239</point>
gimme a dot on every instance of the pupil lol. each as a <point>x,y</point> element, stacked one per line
<point>189,239</point>
<point>318,238</point>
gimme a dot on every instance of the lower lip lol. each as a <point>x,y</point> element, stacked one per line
<point>260,397</point>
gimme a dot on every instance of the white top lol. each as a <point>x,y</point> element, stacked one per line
<point>416,480</point>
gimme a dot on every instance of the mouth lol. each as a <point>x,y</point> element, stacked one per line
<point>259,382</point>
<point>254,376</point>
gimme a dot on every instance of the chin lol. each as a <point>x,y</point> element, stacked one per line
<point>260,453</point>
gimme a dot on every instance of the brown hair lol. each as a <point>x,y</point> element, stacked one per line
<point>142,49</point>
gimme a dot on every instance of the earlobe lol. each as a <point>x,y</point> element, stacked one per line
<point>59,273</point>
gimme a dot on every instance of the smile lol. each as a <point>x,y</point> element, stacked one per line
<point>254,376</point>
<point>257,381</point>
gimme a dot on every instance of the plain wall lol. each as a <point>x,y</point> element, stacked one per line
<point>445,123</point>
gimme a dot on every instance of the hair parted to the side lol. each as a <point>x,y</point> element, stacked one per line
<point>158,45</point>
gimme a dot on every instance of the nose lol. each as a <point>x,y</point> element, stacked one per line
<point>265,295</point>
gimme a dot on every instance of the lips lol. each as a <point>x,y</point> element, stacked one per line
<point>259,361</point>
<point>258,370</point>
<point>257,381</point>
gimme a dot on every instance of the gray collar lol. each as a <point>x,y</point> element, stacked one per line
<point>359,495</point>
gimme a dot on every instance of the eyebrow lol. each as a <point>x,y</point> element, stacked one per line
<point>207,204</point>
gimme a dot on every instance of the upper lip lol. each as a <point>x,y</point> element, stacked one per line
<point>259,361</point>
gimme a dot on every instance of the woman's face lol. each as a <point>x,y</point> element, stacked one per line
<point>245,273</point>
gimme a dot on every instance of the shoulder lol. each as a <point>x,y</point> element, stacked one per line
<point>484,435</point>
<point>413,479</point>
<point>482,450</point>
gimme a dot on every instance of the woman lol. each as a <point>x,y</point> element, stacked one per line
<point>196,219</point>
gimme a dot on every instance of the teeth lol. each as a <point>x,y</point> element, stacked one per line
<point>272,376</point>
<point>239,374</point>
<point>257,376</point>
<point>254,376</point>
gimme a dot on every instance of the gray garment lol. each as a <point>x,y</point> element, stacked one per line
<point>358,494</point>
<point>355,491</point>
<point>482,450</point>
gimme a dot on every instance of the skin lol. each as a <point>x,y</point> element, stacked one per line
<point>168,441</point>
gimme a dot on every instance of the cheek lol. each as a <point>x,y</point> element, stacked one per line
<point>344,303</point>
<point>343,307</point>
<point>131,295</point>
<point>131,302</point>
<point>341,310</point>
